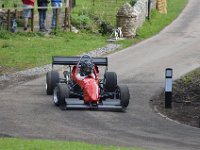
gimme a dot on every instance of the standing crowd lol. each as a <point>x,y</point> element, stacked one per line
<point>28,5</point>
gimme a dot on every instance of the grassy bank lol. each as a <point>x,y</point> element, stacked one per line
<point>26,50</point>
<point>159,21</point>
<point>21,144</point>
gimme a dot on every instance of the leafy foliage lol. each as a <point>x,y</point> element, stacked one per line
<point>82,21</point>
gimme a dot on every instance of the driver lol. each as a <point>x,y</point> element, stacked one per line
<point>87,79</point>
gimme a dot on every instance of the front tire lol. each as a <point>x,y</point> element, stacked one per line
<point>52,78</point>
<point>123,94</point>
<point>110,81</point>
<point>61,91</point>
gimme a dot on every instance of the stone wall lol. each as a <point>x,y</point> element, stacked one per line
<point>130,18</point>
<point>141,11</point>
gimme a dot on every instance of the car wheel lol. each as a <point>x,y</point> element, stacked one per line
<point>61,91</point>
<point>122,93</point>
<point>110,81</point>
<point>52,77</point>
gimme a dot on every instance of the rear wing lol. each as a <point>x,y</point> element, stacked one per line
<point>73,60</point>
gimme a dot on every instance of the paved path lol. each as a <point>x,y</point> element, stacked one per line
<point>25,110</point>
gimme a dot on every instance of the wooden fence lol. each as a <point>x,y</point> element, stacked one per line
<point>15,13</point>
<point>104,9</point>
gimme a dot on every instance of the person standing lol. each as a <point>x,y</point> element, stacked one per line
<point>55,4</point>
<point>42,4</point>
<point>27,6</point>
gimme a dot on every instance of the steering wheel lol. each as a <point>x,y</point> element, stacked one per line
<point>82,59</point>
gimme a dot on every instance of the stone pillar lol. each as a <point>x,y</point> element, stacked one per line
<point>162,6</point>
<point>127,20</point>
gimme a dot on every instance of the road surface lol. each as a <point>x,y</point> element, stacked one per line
<point>26,111</point>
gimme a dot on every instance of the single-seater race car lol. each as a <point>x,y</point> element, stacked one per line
<point>81,88</point>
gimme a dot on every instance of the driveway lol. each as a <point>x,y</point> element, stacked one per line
<point>26,111</point>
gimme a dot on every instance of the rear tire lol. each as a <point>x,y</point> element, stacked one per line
<point>110,81</point>
<point>61,91</point>
<point>52,78</point>
<point>123,94</point>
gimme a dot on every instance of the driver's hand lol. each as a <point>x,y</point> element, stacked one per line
<point>96,68</point>
<point>74,68</point>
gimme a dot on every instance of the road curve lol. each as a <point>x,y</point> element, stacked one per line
<point>26,111</point>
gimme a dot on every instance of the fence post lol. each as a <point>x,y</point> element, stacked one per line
<point>57,18</point>
<point>8,20</point>
<point>70,4</point>
<point>32,19</point>
<point>15,14</point>
<point>67,15</point>
<point>168,87</point>
<point>149,9</point>
<point>65,19</point>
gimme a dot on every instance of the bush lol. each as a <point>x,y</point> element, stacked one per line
<point>105,28</point>
<point>83,21</point>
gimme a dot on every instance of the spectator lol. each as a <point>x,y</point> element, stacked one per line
<point>27,6</point>
<point>42,14</point>
<point>55,4</point>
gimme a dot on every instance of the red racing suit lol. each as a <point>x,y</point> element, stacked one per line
<point>28,2</point>
<point>89,84</point>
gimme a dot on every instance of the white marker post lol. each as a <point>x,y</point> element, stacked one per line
<point>168,87</point>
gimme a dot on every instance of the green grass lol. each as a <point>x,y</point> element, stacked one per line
<point>24,50</point>
<point>158,21</point>
<point>9,3</point>
<point>21,144</point>
<point>27,50</point>
<point>100,8</point>
<point>187,79</point>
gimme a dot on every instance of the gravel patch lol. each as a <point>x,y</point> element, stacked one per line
<point>104,50</point>
<point>22,76</point>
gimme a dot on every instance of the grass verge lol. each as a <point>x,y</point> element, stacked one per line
<point>27,50</point>
<point>159,21</point>
<point>21,51</point>
<point>21,144</point>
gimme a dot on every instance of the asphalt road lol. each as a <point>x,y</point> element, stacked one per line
<point>26,111</point>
